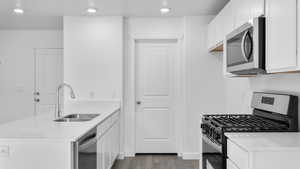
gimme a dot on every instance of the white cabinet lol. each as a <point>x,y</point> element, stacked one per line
<point>257,8</point>
<point>281,38</point>
<point>228,18</point>
<point>218,28</point>
<point>233,15</point>
<point>244,157</point>
<point>100,153</point>
<point>108,141</point>
<point>245,10</point>
<point>211,34</point>
<point>237,155</point>
<point>242,12</point>
<point>298,33</point>
<point>231,165</point>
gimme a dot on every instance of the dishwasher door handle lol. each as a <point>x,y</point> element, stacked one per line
<point>87,143</point>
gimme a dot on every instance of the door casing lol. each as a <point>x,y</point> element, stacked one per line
<point>179,103</point>
<point>43,51</point>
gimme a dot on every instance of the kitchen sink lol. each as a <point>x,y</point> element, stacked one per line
<point>77,117</point>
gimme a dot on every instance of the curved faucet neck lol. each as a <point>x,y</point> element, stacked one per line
<point>72,94</point>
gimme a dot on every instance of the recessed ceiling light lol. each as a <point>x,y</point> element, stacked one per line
<point>165,10</point>
<point>91,10</point>
<point>19,11</point>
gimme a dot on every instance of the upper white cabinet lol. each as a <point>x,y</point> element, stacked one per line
<point>257,8</point>
<point>211,34</point>
<point>233,15</point>
<point>281,38</point>
<point>281,30</point>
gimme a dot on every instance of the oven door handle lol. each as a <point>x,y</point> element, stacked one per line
<point>211,143</point>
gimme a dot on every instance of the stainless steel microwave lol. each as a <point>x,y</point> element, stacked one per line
<point>245,48</point>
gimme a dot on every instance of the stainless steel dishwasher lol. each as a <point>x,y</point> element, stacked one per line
<point>85,151</point>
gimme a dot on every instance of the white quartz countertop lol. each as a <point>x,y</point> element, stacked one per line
<point>43,126</point>
<point>284,141</point>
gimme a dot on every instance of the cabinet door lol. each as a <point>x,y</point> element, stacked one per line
<point>257,8</point>
<point>100,153</point>
<point>281,35</point>
<point>209,36</point>
<point>242,12</point>
<point>116,140</point>
<point>298,33</point>
<point>231,165</point>
<point>106,150</point>
<point>219,24</point>
<point>228,19</point>
<point>212,34</point>
<point>113,154</point>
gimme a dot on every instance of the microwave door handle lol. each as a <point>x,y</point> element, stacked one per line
<point>243,46</point>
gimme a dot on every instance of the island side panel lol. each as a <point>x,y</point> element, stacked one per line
<point>35,154</point>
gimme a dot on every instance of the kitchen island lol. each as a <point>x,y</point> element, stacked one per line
<point>263,150</point>
<point>40,143</point>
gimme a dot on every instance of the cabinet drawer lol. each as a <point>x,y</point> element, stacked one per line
<point>231,165</point>
<point>239,156</point>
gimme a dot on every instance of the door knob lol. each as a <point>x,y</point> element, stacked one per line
<point>138,102</point>
<point>36,99</point>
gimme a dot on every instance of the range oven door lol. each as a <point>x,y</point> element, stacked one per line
<point>85,151</point>
<point>213,156</point>
<point>245,48</point>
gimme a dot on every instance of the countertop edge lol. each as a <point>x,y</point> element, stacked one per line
<point>70,138</point>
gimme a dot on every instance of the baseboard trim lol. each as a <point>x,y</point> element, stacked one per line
<point>156,154</point>
<point>129,154</point>
<point>185,156</point>
<point>121,156</point>
<point>191,156</point>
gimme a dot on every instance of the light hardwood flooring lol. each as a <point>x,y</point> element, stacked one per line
<point>156,162</point>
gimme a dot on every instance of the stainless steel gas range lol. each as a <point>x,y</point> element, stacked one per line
<point>271,113</point>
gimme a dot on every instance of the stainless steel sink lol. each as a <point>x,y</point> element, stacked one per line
<point>77,117</point>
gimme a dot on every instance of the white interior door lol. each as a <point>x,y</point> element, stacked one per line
<point>48,75</point>
<point>154,96</point>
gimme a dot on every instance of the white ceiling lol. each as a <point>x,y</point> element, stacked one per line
<point>50,11</point>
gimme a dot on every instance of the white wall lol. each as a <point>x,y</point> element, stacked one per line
<point>205,90</point>
<point>93,53</point>
<point>17,69</point>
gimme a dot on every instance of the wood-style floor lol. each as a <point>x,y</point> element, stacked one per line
<point>156,162</point>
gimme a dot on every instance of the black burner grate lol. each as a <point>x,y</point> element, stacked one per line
<point>250,122</point>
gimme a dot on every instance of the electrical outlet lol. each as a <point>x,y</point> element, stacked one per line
<point>4,151</point>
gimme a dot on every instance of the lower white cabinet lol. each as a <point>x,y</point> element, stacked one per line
<point>231,165</point>
<point>261,158</point>
<point>237,155</point>
<point>108,145</point>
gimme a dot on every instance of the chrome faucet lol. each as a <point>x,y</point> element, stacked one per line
<point>72,94</point>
